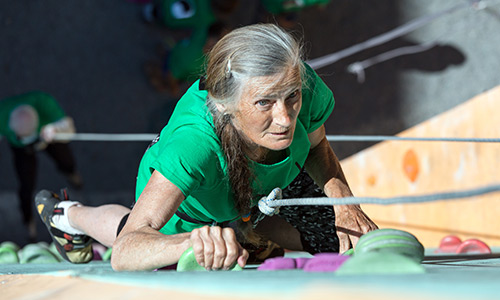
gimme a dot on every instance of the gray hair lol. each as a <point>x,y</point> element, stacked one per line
<point>248,52</point>
<point>23,120</point>
<point>253,51</point>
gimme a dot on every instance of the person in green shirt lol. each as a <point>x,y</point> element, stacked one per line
<point>284,6</point>
<point>192,14</point>
<point>28,122</point>
<point>253,125</point>
<point>286,11</point>
<point>205,20</point>
<point>185,61</point>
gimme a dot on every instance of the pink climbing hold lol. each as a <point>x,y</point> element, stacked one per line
<point>452,244</point>
<point>473,246</point>
<point>325,262</point>
<point>300,262</point>
<point>277,263</point>
<point>449,244</point>
<point>98,251</point>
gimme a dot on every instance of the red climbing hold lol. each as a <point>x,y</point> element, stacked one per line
<point>473,246</point>
<point>449,244</point>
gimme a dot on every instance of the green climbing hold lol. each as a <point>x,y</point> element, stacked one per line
<point>391,241</point>
<point>107,255</point>
<point>8,253</point>
<point>10,245</point>
<point>349,252</point>
<point>385,232</point>
<point>378,262</point>
<point>37,254</point>
<point>187,262</point>
<point>53,250</point>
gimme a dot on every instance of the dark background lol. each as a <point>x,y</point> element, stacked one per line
<point>90,55</point>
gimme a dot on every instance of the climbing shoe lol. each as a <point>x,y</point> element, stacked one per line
<point>75,248</point>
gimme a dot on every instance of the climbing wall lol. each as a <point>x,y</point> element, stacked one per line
<point>398,168</point>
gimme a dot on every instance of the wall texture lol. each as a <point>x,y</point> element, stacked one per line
<point>90,55</point>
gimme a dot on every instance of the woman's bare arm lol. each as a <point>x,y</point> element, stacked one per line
<point>324,167</point>
<point>140,245</point>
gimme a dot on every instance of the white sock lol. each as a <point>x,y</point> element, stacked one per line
<point>61,221</point>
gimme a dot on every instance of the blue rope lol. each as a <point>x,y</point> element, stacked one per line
<point>387,201</point>
<point>378,138</point>
<point>388,36</point>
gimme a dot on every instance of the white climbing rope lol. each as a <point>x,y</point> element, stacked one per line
<point>138,137</point>
<point>387,201</point>
<point>264,202</point>
<point>105,137</point>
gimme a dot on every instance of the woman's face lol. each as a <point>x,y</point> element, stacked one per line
<point>268,109</point>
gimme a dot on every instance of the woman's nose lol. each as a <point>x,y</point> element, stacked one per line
<point>281,115</point>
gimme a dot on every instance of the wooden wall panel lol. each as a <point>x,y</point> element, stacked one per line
<point>397,168</point>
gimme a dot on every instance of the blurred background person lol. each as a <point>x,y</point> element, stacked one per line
<point>286,11</point>
<point>198,25</point>
<point>29,123</point>
<point>182,14</point>
<point>184,63</point>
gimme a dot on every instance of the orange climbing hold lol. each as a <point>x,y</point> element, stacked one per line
<point>371,180</point>
<point>410,165</point>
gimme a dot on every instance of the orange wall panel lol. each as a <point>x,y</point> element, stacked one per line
<point>399,168</point>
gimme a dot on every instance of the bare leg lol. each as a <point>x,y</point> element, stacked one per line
<point>99,222</point>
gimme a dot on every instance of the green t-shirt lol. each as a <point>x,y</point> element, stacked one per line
<point>188,153</point>
<point>282,6</point>
<point>197,13</point>
<point>45,105</point>
<point>186,59</point>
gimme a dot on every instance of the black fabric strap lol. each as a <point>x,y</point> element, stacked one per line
<point>122,223</point>
<point>187,218</point>
<point>79,241</point>
<point>201,85</point>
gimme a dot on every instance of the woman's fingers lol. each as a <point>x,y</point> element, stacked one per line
<point>351,223</point>
<point>353,240</point>
<point>344,241</point>
<point>198,246</point>
<point>217,248</point>
<point>234,250</point>
<point>242,259</point>
<point>208,247</point>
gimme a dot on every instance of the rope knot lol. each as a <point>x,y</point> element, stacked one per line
<point>264,202</point>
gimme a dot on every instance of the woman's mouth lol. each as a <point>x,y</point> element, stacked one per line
<point>283,133</point>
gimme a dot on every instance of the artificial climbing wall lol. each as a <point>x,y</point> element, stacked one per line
<point>396,168</point>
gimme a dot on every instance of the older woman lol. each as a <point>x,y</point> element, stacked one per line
<point>254,123</point>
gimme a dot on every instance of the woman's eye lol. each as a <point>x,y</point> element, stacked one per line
<point>263,102</point>
<point>293,95</point>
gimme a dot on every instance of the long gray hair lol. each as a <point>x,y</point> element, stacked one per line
<point>245,53</point>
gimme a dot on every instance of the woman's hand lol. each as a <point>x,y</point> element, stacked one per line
<point>351,223</point>
<point>217,248</point>
<point>324,167</point>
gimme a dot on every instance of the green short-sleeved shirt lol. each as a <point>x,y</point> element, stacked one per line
<point>45,105</point>
<point>186,59</point>
<point>188,153</point>
<point>282,6</point>
<point>198,15</point>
